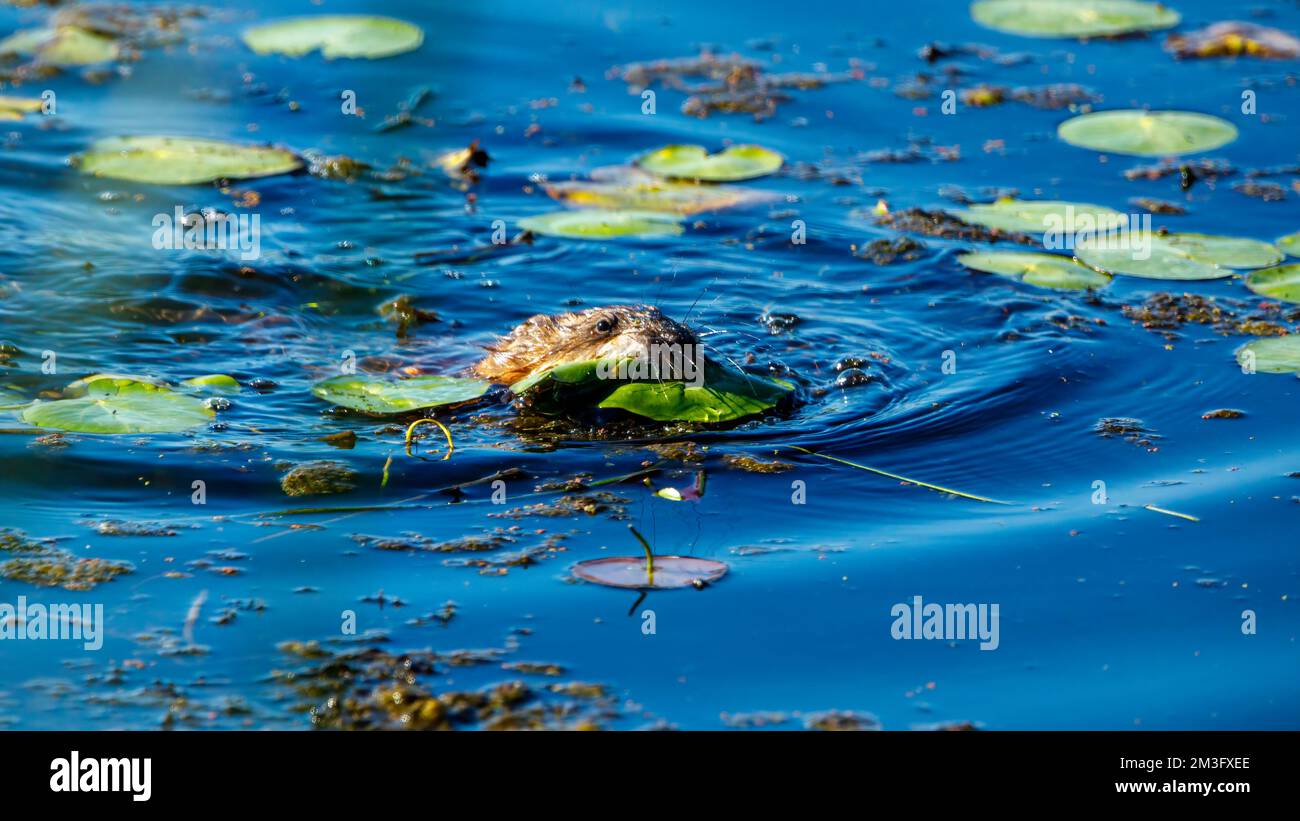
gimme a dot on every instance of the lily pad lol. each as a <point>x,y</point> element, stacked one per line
<point>61,46</point>
<point>1282,282</point>
<point>336,35</point>
<point>632,572</point>
<point>623,187</point>
<point>1147,133</point>
<point>725,395</point>
<point>1274,354</point>
<point>1043,270</point>
<point>183,160</point>
<point>1180,256</point>
<point>121,405</point>
<point>1290,244</point>
<point>599,224</point>
<point>13,108</point>
<point>1030,216</point>
<point>215,381</point>
<point>694,162</point>
<point>1072,18</point>
<point>390,396</point>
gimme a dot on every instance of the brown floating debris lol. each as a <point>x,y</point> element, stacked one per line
<point>1234,38</point>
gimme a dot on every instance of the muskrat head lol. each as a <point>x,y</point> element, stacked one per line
<point>542,342</point>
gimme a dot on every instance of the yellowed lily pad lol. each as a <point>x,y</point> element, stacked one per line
<point>336,35</point>
<point>1147,133</point>
<point>61,46</point>
<point>694,162</point>
<point>1073,18</point>
<point>602,224</point>
<point>1043,270</point>
<point>625,187</point>
<point>13,108</point>
<point>165,160</point>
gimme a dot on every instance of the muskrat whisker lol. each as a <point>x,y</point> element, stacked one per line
<point>734,364</point>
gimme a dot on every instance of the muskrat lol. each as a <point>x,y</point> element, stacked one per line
<point>611,332</point>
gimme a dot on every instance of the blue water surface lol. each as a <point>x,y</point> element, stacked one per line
<point>1111,615</point>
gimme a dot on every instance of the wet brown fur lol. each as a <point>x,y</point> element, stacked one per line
<point>544,341</point>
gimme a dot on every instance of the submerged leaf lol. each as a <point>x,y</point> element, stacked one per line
<point>599,224</point>
<point>1178,256</point>
<point>121,405</point>
<point>1043,270</point>
<point>694,162</point>
<point>336,35</point>
<point>1147,133</point>
<point>183,160</point>
<point>1073,18</point>
<point>387,396</point>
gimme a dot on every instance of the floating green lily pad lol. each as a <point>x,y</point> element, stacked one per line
<point>215,381</point>
<point>61,46</point>
<point>631,188</point>
<point>694,162</point>
<point>1274,354</point>
<point>120,405</point>
<point>13,108</point>
<point>336,35</point>
<point>1282,282</point>
<point>600,224</point>
<point>183,160</point>
<point>1290,244</point>
<point>1036,216</point>
<point>632,572</point>
<point>1043,270</point>
<point>1072,18</point>
<point>1179,256</point>
<point>1147,133</point>
<point>390,396</point>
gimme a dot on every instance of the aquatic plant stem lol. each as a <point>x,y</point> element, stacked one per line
<point>649,555</point>
<point>450,445</point>
<point>938,488</point>
<point>1186,516</point>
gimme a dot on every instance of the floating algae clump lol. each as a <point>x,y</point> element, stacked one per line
<point>371,688</point>
<point>40,562</point>
<point>63,570</point>
<point>318,478</point>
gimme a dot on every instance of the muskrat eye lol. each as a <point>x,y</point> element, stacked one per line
<point>605,326</point>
